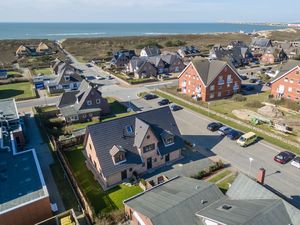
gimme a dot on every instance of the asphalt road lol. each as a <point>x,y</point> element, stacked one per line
<point>284,179</point>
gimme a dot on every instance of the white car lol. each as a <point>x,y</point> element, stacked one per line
<point>296,162</point>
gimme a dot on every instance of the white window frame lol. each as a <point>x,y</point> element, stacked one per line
<point>89,102</point>
<point>212,87</point>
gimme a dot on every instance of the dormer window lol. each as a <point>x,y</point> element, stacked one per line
<point>118,154</point>
<point>167,138</point>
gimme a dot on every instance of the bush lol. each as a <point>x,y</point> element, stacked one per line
<point>174,43</point>
<point>238,98</point>
<point>254,104</point>
<point>208,171</point>
<point>113,218</point>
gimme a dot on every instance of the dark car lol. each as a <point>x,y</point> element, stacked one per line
<point>284,157</point>
<point>248,88</point>
<point>175,108</point>
<point>252,80</point>
<point>214,126</point>
<point>110,77</point>
<point>164,102</point>
<point>234,134</point>
<point>90,78</point>
<point>150,96</point>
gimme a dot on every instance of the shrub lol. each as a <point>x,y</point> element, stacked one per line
<point>174,43</point>
<point>113,218</point>
<point>254,104</point>
<point>238,98</point>
<point>208,171</point>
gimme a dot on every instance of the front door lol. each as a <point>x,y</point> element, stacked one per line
<point>149,163</point>
<point>124,174</point>
<point>167,157</point>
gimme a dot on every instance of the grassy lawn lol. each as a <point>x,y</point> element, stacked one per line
<point>101,201</point>
<point>18,91</point>
<point>231,124</point>
<point>117,111</point>
<point>224,185</point>
<point>219,176</point>
<point>45,71</point>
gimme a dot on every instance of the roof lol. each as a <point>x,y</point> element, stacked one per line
<point>209,70</point>
<point>283,69</point>
<point>261,42</point>
<point>151,51</point>
<point>249,134</point>
<point>8,109</point>
<point>107,134</point>
<point>244,188</point>
<point>116,149</point>
<point>175,201</point>
<point>21,179</point>
<point>247,212</point>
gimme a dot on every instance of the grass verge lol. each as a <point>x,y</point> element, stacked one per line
<point>219,176</point>
<point>18,91</point>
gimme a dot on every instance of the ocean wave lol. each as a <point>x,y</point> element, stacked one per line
<point>157,33</point>
<point>77,34</point>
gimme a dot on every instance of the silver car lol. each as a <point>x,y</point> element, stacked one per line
<point>296,162</point>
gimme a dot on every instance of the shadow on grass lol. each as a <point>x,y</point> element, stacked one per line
<point>10,93</point>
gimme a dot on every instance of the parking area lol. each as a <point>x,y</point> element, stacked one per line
<point>283,179</point>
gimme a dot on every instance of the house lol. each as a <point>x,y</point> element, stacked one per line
<point>119,149</point>
<point>187,201</point>
<point>33,50</point>
<point>11,122</point>
<point>150,51</point>
<point>237,53</point>
<point>68,78</point>
<point>188,51</point>
<point>141,68</point>
<point>273,55</point>
<point>173,63</point>
<point>290,48</point>
<point>209,80</point>
<point>287,80</point>
<point>3,74</point>
<point>260,43</point>
<point>24,196</point>
<point>83,104</point>
<point>121,58</point>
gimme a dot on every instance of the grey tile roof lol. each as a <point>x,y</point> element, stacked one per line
<point>152,51</point>
<point>107,134</point>
<point>285,67</point>
<point>244,188</point>
<point>141,129</point>
<point>176,201</point>
<point>67,98</point>
<point>247,212</point>
<point>261,42</point>
<point>209,70</point>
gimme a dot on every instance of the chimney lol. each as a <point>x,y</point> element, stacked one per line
<point>261,176</point>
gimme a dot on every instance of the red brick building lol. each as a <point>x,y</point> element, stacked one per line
<point>287,82</point>
<point>209,80</point>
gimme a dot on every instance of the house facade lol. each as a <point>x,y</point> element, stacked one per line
<point>273,55</point>
<point>258,43</point>
<point>130,146</point>
<point>83,105</point>
<point>140,67</point>
<point>209,80</point>
<point>287,82</point>
<point>121,58</point>
<point>150,51</point>
<point>188,51</point>
<point>33,50</point>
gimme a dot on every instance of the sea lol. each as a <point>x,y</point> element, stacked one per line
<point>58,31</point>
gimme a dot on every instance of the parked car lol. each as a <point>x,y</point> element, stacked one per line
<point>296,162</point>
<point>150,96</point>
<point>247,139</point>
<point>99,78</point>
<point>164,102</point>
<point>252,80</point>
<point>224,130</point>
<point>175,108</point>
<point>90,78</point>
<point>234,134</point>
<point>214,126</point>
<point>89,65</point>
<point>284,157</point>
<point>259,82</point>
<point>268,84</point>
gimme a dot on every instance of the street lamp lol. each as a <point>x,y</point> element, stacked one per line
<point>250,164</point>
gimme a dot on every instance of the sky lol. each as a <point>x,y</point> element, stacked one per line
<point>149,11</point>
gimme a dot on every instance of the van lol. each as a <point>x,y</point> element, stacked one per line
<point>247,139</point>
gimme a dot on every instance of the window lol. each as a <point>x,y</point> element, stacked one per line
<point>219,87</point>
<point>95,165</point>
<point>298,91</point>
<point>148,136</point>
<point>297,72</point>
<point>290,89</point>
<point>212,87</point>
<point>212,95</point>
<point>155,159</point>
<point>219,93</point>
<point>169,141</point>
<point>229,79</point>
<point>119,157</point>
<point>291,81</point>
<point>89,102</point>
<point>228,92</point>
<point>67,78</point>
<point>148,148</point>
<point>83,116</point>
<point>90,145</point>
<point>220,81</point>
<point>130,169</point>
<point>129,129</point>
<point>286,80</point>
<point>98,101</point>
<point>143,164</point>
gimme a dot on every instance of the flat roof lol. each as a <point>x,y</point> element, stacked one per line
<point>21,179</point>
<point>9,109</point>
